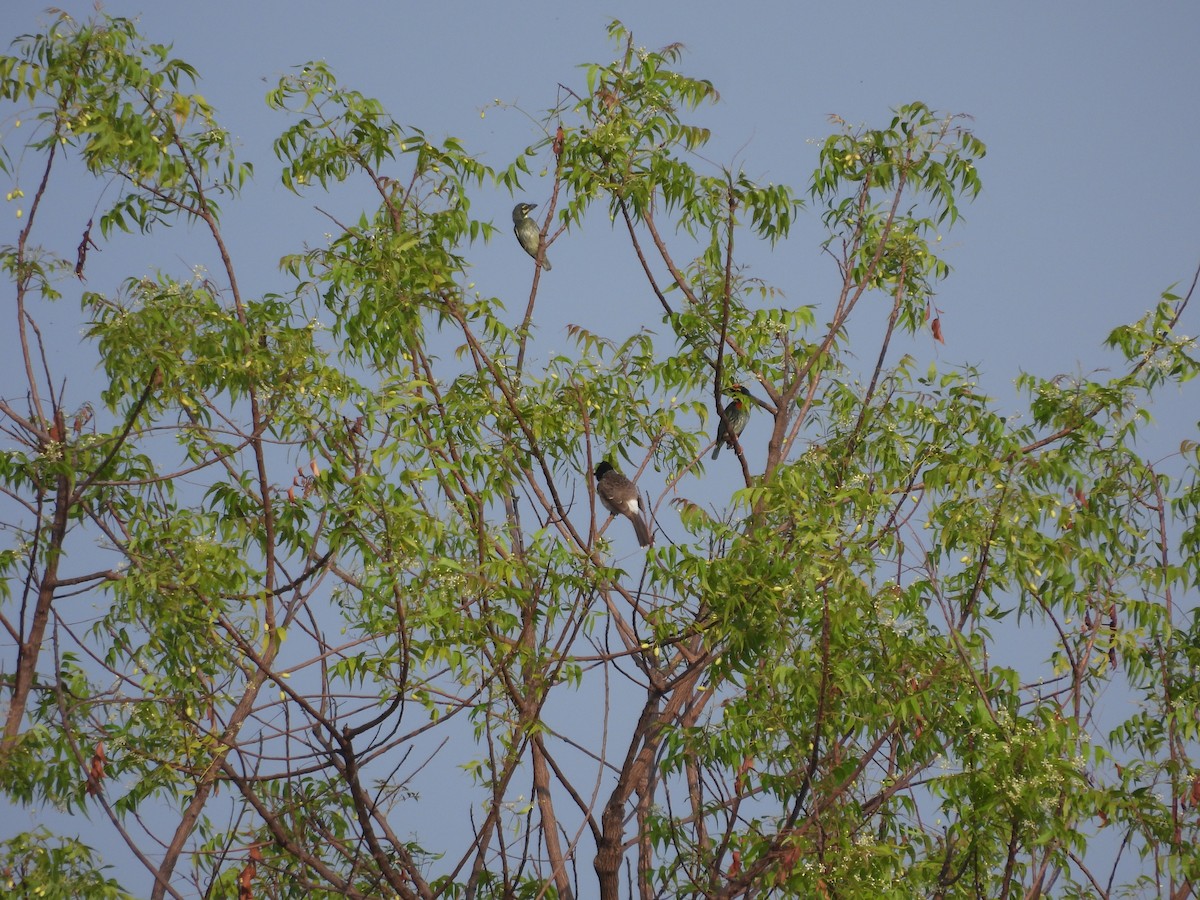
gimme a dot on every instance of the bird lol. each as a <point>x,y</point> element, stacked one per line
<point>528,234</point>
<point>738,414</point>
<point>620,497</point>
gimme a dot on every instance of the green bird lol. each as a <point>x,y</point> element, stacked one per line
<point>527,232</point>
<point>737,411</point>
<point>620,497</point>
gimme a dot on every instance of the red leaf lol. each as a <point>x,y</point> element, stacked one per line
<point>95,773</point>
<point>739,783</point>
<point>936,325</point>
<point>246,876</point>
<point>82,251</point>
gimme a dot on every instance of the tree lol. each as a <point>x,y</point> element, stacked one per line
<point>293,563</point>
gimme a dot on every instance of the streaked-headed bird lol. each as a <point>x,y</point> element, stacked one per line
<point>527,232</point>
<point>737,411</point>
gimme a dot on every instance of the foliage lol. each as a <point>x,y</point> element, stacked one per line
<point>335,574</point>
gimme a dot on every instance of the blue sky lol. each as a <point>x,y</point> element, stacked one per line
<point>1088,109</point>
<point>1090,203</point>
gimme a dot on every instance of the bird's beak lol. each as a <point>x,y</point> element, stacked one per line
<point>533,206</point>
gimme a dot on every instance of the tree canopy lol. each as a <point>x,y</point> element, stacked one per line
<point>308,593</point>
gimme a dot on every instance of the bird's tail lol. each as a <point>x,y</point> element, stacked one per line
<point>645,538</point>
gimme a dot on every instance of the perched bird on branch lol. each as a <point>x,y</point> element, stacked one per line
<point>620,497</point>
<point>737,411</point>
<point>527,232</point>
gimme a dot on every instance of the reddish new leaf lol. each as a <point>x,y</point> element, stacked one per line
<point>936,326</point>
<point>95,773</point>
<point>246,876</point>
